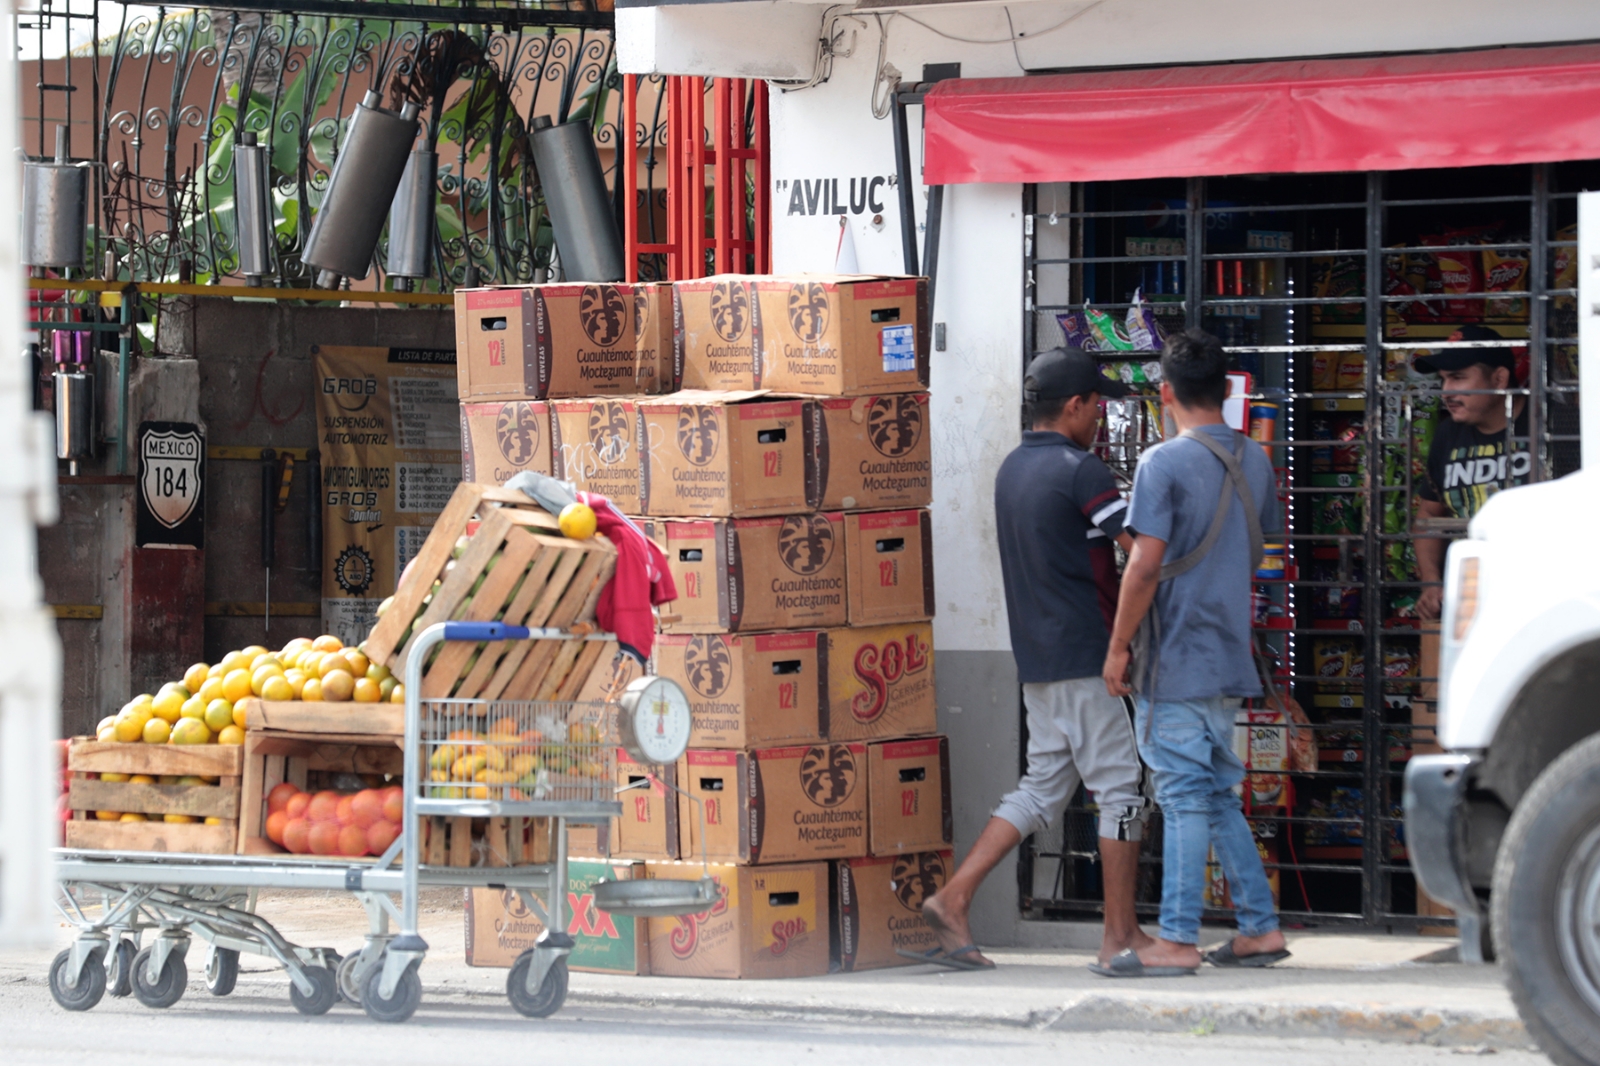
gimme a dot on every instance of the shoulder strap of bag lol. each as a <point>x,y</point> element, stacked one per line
<point>1234,482</point>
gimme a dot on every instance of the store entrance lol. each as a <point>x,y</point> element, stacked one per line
<point>1327,290</point>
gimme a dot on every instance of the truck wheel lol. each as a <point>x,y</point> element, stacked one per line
<point>1546,906</point>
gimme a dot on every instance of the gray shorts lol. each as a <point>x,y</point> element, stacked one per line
<point>1076,731</point>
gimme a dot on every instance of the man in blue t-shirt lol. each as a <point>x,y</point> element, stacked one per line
<point>1199,661</point>
<point>1057,512</point>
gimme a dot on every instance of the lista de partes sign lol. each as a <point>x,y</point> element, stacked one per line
<point>866,195</point>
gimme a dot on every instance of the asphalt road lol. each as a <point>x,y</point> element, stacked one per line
<point>257,1025</point>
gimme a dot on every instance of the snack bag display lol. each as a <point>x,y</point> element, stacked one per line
<point>1107,332</point>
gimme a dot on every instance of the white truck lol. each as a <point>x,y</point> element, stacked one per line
<point>1504,827</point>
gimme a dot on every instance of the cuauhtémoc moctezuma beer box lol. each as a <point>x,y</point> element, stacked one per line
<point>841,335</point>
<point>880,682</point>
<point>723,454</point>
<point>536,342</point>
<point>768,921</point>
<point>503,438</point>
<point>870,452</point>
<point>877,908</point>
<point>890,558</point>
<point>807,801</point>
<point>748,691</point>
<point>647,828</point>
<point>595,445</point>
<point>716,335</point>
<point>908,796</point>
<point>747,574</point>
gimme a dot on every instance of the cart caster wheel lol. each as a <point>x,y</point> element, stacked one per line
<point>119,981</point>
<point>552,992</point>
<point>222,971</point>
<point>398,1007</point>
<point>326,996</point>
<point>168,989</point>
<point>90,987</point>
<point>349,981</point>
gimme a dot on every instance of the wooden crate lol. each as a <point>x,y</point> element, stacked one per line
<point>272,757</point>
<point>538,578</point>
<point>86,794</point>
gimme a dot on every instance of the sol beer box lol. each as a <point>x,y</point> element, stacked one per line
<point>749,691</point>
<point>870,452</point>
<point>775,804</point>
<point>880,682</point>
<point>536,342</point>
<point>768,921</point>
<point>890,558</point>
<point>595,445</point>
<point>715,335</point>
<point>721,454</point>
<point>756,573</point>
<point>908,796</point>
<point>504,438</point>
<point>500,927</point>
<point>647,828</point>
<point>841,335</point>
<point>877,908</point>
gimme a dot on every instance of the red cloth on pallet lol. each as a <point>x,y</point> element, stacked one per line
<point>642,580</point>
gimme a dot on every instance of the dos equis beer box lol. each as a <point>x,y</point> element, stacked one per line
<point>749,691</point>
<point>869,453</point>
<point>537,342</point>
<point>880,682</point>
<point>504,438</point>
<point>768,921</point>
<point>756,573</point>
<point>722,454</point>
<point>842,335</point>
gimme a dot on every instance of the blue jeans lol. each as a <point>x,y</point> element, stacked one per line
<point>1188,745</point>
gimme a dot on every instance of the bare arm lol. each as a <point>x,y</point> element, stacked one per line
<point>1430,559</point>
<point>1125,541</point>
<point>1139,583</point>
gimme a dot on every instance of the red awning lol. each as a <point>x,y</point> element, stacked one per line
<point>1509,105</point>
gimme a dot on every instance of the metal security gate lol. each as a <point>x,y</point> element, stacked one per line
<point>1324,288</point>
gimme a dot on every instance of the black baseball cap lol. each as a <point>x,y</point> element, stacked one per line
<point>1065,372</point>
<point>1461,358</point>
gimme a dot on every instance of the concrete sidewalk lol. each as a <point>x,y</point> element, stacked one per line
<point>1392,988</point>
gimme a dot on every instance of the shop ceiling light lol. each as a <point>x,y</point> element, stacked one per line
<point>411,218</point>
<point>576,197</point>
<point>55,199</point>
<point>252,194</point>
<point>360,190</point>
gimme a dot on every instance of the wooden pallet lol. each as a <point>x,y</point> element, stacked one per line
<point>531,576</point>
<point>87,794</point>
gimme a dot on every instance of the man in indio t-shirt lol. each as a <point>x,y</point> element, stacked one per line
<point>1470,459</point>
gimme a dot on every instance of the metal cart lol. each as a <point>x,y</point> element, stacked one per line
<point>554,760</point>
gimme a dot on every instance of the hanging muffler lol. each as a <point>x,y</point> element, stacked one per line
<point>55,203</point>
<point>360,191</point>
<point>579,204</point>
<point>252,197</point>
<point>411,219</point>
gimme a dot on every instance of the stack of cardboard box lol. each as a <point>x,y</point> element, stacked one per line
<point>781,457</point>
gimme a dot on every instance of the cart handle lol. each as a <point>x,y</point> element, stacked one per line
<point>484,631</point>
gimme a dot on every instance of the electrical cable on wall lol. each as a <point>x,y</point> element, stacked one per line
<point>828,38</point>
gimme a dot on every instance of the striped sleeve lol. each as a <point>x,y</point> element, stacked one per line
<point>1095,493</point>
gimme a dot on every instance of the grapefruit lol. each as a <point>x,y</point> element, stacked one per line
<point>251,652</point>
<point>264,659</point>
<point>169,705</point>
<point>215,673</point>
<point>577,521</point>
<point>131,816</point>
<point>211,690</point>
<point>324,807</point>
<point>113,777</point>
<point>219,715</point>
<point>230,662</point>
<point>275,823</point>
<point>130,728</point>
<point>337,685</point>
<point>262,674</point>
<point>194,707</point>
<point>359,663</point>
<point>335,661</point>
<point>386,689</point>
<point>367,690</point>
<point>398,693</point>
<point>107,816</point>
<point>240,717</point>
<point>324,838</point>
<point>380,835</point>
<point>297,680</point>
<point>106,734</point>
<point>236,686</point>
<point>190,731</point>
<point>277,687</point>
<point>327,642</point>
<point>366,808</point>
<point>297,835</point>
<point>230,734</point>
<point>156,731</point>
<point>394,804</point>
<point>279,797</point>
<point>352,841</point>
<point>344,812</point>
<point>179,819</point>
<point>295,806</point>
<point>378,672</point>
<point>195,676</point>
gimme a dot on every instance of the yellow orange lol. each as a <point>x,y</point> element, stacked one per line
<point>218,716</point>
<point>113,777</point>
<point>398,693</point>
<point>367,691</point>
<point>310,661</point>
<point>232,661</point>
<point>263,659</point>
<point>211,690</point>
<point>132,817</point>
<point>230,734</point>
<point>239,716</point>
<point>141,779</point>
<point>108,816</point>
<point>194,707</point>
<point>179,819</point>
<point>195,676</point>
<point>236,686</point>
<point>144,700</point>
<point>378,671</point>
<point>106,734</point>
<point>386,688</point>
<point>338,685</point>
<point>261,675</point>
<point>156,731</point>
<point>190,731</point>
<point>129,728</point>
<point>296,679</point>
<point>297,645</point>
<point>359,663</point>
<point>213,820</point>
<point>311,691</point>
<point>216,671</point>
<point>251,652</point>
<point>168,705</point>
<point>336,661</point>
<point>174,686</point>
<point>327,643</point>
<point>108,720</point>
<point>577,521</point>
<point>276,687</point>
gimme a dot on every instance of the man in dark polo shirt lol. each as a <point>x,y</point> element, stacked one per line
<point>1057,514</point>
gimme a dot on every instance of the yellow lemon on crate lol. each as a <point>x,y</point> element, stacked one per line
<point>277,687</point>
<point>190,731</point>
<point>195,676</point>
<point>577,521</point>
<point>230,734</point>
<point>236,686</point>
<point>194,707</point>
<point>311,691</point>
<point>156,731</point>
<point>367,691</point>
<point>338,685</point>
<point>132,817</point>
<point>219,715</point>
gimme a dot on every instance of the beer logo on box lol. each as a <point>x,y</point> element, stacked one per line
<point>828,774</point>
<point>730,309</point>
<point>602,312</point>
<point>805,543</point>
<point>894,424</point>
<point>699,433</point>
<point>641,312</point>
<point>808,311</point>
<point>709,665</point>
<point>916,877</point>
<point>876,669</point>
<point>513,905</point>
<point>685,937</point>
<point>609,431</point>
<point>516,431</point>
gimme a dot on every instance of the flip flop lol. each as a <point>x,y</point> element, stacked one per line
<point>1127,964</point>
<point>952,959</point>
<point>1226,957</point>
